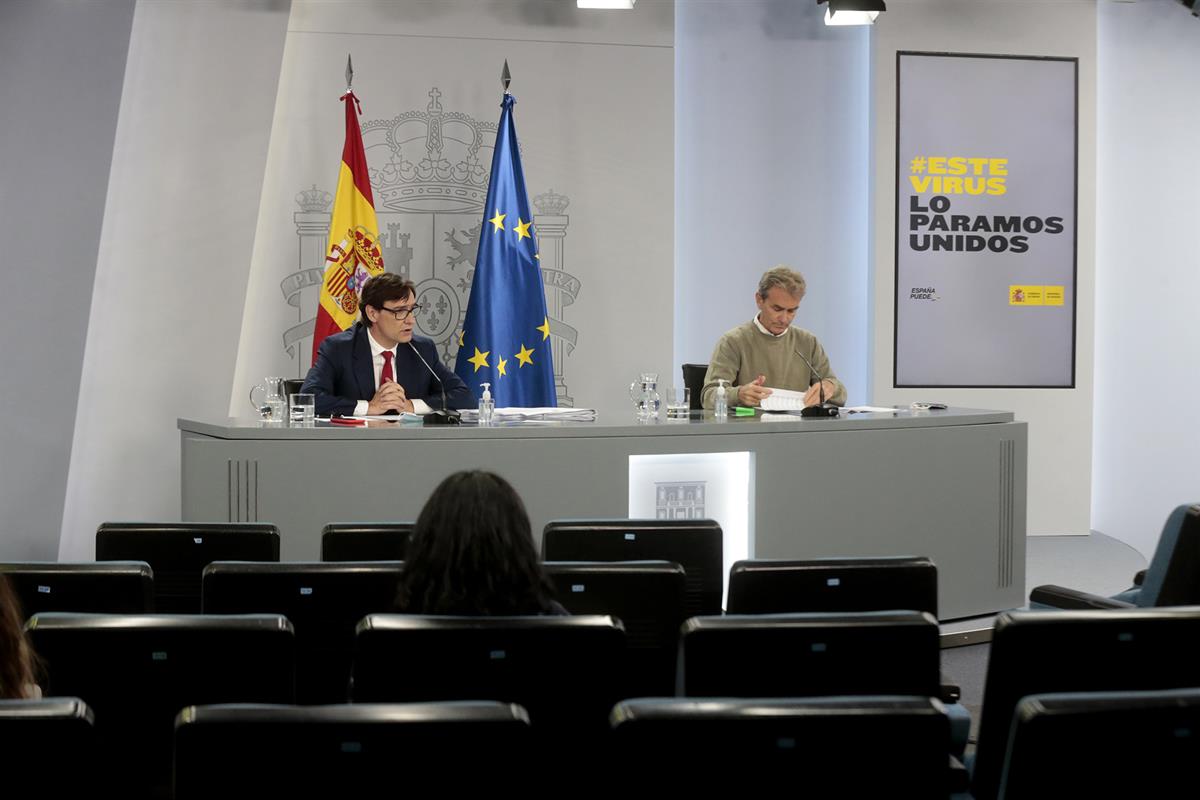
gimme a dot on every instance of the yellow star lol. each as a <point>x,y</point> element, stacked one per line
<point>460,338</point>
<point>544,328</point>
<point>522,229</point>
<point>498,220</point>
<point>525,356</point>
<point>479,359</point>
<point>500,367</point>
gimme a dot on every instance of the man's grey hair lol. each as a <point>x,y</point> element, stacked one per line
<point>785,278</point>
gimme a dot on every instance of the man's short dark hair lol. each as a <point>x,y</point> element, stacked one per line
<point>383,288</point>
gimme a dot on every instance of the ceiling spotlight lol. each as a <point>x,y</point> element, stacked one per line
<point>852,12</point>
<point>604,3</point>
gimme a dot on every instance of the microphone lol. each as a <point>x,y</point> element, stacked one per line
<point>446,415</point>
<point>819,410</point>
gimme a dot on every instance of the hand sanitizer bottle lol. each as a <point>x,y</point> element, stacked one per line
<point>486,406</point>
<point>721,404</point>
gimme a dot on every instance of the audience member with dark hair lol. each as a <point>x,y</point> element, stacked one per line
<point>17,660</point>
<point>472,552</point>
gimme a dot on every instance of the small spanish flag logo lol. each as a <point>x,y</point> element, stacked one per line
<point>1025,295</point>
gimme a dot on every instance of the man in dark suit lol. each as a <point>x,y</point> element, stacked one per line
<point>376,366</point>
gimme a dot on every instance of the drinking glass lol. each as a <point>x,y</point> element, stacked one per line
<point>303,410</point>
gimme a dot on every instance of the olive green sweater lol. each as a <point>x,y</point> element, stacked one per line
<point>745,352</point>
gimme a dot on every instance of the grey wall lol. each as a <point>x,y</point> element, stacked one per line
<point>171,271</point>
<point>1060,420</point>
<point>771,165</point>
<point>61,67</point>
<point>1148,270</point>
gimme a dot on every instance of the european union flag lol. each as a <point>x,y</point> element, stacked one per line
<point>506,335</point>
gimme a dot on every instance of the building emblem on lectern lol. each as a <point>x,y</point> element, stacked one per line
<point>679,500</point>
<point>429,172</point>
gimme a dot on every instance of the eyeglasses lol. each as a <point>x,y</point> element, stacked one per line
<point>401,314</point>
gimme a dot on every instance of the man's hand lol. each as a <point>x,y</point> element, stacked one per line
<point>389,397</point>
<point>813,396</point>
<point>751,394</point>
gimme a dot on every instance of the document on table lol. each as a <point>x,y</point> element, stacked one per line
<point>515,413</point>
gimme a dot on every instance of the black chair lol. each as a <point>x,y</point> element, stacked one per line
<point>323,602</point>
<point>827,585</point>
<point>564,670</point>
<point>137,671</point>
<point>693,378</point>
<point>1038,652</point>
<point>695,544</point>
<point>349,750</point>
<point>49,747</point>
<point>648,598</point>
<point>110,587</point>
<point>819,747</point>
<point>179,552</point>
<point>807,655</point>
<point>833,584</point>
<point>1172,579</point>
<point>291,386</point>
<point>365,541</point>
<point>1103,744</point>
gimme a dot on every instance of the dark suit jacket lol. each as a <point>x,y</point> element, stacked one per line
<point>342,374</point>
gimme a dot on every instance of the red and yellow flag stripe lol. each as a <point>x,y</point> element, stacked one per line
<point>353,254</point>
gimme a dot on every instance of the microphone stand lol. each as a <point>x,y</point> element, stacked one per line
<point>445,415</point>
<point>820,411</point>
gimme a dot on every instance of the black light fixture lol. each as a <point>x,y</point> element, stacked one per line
<point>852,12</point>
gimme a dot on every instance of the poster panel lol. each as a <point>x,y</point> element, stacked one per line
<point>986,176</point>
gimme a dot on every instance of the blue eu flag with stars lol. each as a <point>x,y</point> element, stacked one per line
<point>506,336</point>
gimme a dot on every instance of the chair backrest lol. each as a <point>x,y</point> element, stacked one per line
<point>833,584</point>
<point>365,541</point>
<point>323,602</point>
<point>564,670</point>
<point>109,587</point>
<point>693,378</point>
<point>137,671</point>
<point>291,386</point>
<point>695,544</point>
<point>178,552</point>
<point>1036,652</point>
<point>822,747</point>
<point>648,598</point>
<point>349,750</point>
<point>49,746</point>
<point>1173,575</point>
<point>806,655</point>
<point>1103,744</point>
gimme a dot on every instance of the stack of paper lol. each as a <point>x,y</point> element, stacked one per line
<point>514,413</point>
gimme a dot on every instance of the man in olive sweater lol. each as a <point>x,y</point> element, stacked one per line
<point>769,352</point>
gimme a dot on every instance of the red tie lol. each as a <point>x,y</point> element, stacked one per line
<point>386,375</point>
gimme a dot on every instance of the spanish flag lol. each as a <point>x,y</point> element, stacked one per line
<point>353,254</point>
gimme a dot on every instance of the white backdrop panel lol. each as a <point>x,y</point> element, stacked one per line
<point>594,118</point>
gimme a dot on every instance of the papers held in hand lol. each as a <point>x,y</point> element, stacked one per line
<point>788,400</point>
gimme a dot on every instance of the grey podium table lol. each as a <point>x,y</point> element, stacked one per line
<point>949,484</point>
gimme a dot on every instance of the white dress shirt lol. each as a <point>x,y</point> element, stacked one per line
<point>377,351</point>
